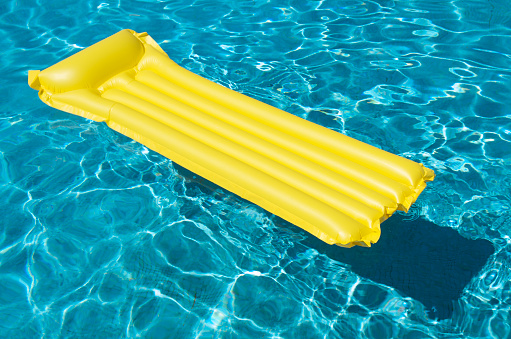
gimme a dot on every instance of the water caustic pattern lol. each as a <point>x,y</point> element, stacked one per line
<point>100,236</point>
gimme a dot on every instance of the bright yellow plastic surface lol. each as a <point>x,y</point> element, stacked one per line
<point>335,187</point>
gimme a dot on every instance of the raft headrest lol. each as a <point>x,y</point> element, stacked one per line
<point>92,66</point>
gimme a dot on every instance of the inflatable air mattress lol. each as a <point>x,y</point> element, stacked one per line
<point>335,187</point>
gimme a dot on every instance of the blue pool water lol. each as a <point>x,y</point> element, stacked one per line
<point>100,237</point>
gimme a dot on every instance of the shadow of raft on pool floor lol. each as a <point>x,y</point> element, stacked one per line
<point>422,260</point>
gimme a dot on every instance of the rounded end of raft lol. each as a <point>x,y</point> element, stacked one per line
<point>33,80</point>
<point>429,174</point>
<point>366,240</point>
<point>93,65</point>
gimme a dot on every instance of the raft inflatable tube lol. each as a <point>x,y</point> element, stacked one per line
<point>335,187</point>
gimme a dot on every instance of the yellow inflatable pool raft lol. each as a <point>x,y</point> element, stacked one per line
<point>335,187</point>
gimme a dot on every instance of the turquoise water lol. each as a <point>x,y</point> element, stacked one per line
<point>100,237</point>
